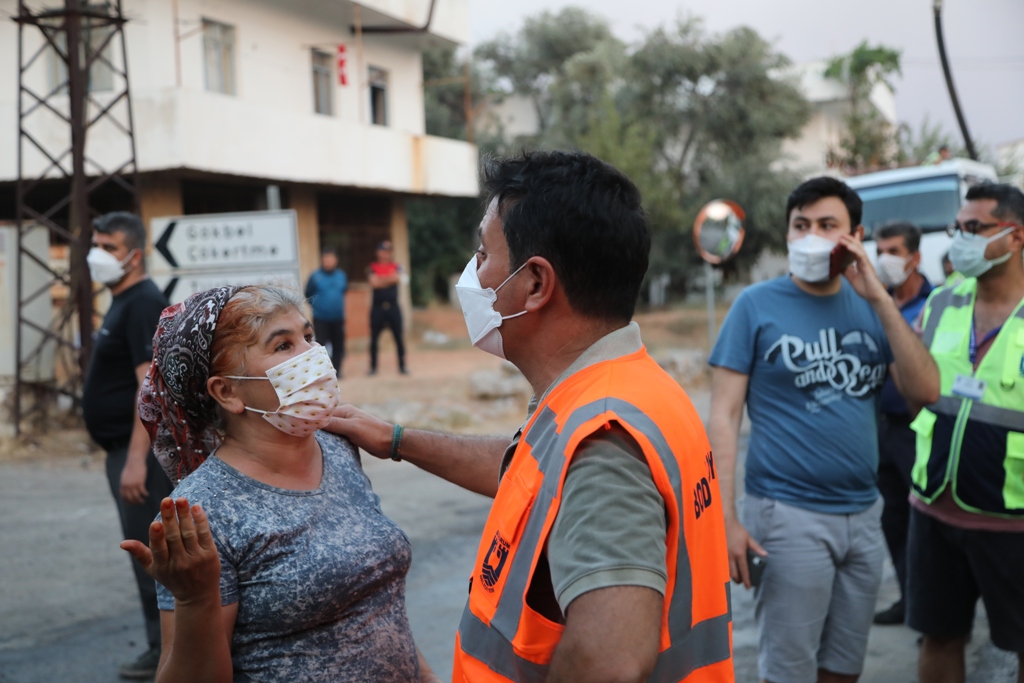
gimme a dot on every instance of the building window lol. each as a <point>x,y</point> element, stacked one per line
<point>378,96</point>
<point>219,57</point>
<point>322,78</point>
<point>101,75</point>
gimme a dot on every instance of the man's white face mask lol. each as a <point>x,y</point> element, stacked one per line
<point>477,303</point>
<point>104,266</point>
<point>892,269</point>
<point>967,253</point>
<point>810,258</point>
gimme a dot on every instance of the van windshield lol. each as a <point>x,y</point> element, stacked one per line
<point>929,203</point>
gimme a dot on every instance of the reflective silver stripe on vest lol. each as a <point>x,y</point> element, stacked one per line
<point>999,417</point>
<point>704,644</point>
<point>946,405</point>
<point>946,298</point>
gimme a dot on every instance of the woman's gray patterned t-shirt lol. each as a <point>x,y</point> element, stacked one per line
<point>319,576</point>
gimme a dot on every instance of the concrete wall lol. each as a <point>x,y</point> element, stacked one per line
<point>268,129</point>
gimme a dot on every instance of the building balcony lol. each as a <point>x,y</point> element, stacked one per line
<point>214,133</point>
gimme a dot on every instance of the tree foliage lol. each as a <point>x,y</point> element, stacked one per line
<point>870,142</point>
<point>688,116</point>
<point>534,61</point>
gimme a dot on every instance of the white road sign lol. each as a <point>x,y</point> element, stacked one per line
<point>179,286</point>
<point>216,242</point>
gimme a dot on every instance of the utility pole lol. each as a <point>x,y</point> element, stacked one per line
<point>968,143</point>
<point>53,347</point>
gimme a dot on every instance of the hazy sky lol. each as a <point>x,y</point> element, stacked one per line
<point>984,40</point>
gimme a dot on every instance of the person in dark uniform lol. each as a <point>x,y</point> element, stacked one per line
<point>899,258</point>
<point>384,275</point>
<point>122,351</point>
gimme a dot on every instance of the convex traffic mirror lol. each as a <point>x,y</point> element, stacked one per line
<point>718,231</point>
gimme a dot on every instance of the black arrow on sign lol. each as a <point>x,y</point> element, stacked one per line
<point>169,289</point>
<point>161,244</point>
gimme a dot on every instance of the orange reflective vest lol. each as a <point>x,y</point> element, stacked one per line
<point>500,637</point>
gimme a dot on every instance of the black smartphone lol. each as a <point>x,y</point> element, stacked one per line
<point>755,565</point>
<point>839,260</point>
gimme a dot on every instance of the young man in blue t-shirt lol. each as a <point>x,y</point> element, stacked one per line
<point>808,354</point>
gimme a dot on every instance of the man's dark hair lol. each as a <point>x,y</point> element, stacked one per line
<point>128,224</point>
<point>1009,200</point>
<point>815,189</point>
<point>946,259</point>
<point>325,251</point>
<point>910,233</point>
<point>584,217</point>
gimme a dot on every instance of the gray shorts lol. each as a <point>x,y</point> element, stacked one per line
<point>817,597</point>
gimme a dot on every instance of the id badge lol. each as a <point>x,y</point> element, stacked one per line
<point>965,386</point>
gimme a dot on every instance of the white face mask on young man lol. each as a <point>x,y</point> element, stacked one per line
<point>307,390</point>
<point>477,303</point>
<point>892,269</point>
<point>104,266</point>
<point>810,258</point>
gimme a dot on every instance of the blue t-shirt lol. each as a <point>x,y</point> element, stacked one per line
<point>816,366</point>
<point>326,293</point>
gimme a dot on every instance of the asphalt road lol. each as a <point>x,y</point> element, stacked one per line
<point>68,606</point>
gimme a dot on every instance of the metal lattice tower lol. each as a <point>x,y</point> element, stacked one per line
<point>72,90</point>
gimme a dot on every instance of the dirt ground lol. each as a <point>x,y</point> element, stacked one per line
<point>435,395</point>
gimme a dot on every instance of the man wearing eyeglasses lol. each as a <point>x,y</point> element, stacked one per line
<point>967,518</point>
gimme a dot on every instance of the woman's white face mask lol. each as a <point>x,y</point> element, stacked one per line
<point>307,390</point>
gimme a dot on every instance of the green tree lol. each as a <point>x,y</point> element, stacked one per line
<point>533,62</point>
<point>870,142</point>
<point>442,229</point>
<point>442,235</point>
<point>719,109</point>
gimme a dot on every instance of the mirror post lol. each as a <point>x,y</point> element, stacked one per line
<point>709,290</point>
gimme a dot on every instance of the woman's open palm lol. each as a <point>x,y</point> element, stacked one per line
<point>181,554</point>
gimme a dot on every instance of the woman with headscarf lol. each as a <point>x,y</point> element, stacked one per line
<point>283,568</point>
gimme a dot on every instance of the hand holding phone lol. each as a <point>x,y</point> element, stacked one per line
<point>755,566</point>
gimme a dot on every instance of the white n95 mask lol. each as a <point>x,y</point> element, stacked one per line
<point>967,253</point>
<point>477,303</point>
<point>810,257</point>
<point>307,389</point>
<point>104,266</point>
<point>892,270</point>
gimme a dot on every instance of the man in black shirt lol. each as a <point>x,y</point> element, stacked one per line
<point>121,354</point>
<point>384,275</point>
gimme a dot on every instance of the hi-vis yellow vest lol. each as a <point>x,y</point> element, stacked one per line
<point>973,444</point>
<point>501,638</point>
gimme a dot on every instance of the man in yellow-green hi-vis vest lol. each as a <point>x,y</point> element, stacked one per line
<point>967,522</point>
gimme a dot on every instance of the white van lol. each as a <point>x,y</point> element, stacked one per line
<point>927,196</point>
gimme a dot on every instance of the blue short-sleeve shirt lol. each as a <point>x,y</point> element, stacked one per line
<point>816,365</point>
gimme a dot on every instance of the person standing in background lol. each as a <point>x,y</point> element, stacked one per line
<point>121,354</point>
<point>899,257</point>
<point>326,293</point>
<point>384,275</point>
<point>808,354</point>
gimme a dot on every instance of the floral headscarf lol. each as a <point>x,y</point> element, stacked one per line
<point>173,404</point>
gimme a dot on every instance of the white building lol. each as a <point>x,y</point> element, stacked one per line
<point>231,97</point>
<point>830,105</point>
